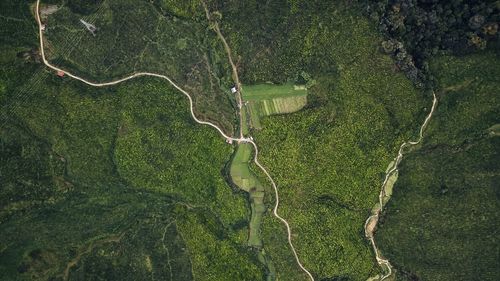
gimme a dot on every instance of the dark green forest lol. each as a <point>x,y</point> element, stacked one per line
<point>442,221</point>
<point>119,183</point>
<point>417,30</point>
<point>112,183</point>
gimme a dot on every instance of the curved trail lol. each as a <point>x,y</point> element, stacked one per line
<point>275,211</point>
<point>229,138</point>
<point>234,70</point>
<point>372,221</point>
<point>132,76</point>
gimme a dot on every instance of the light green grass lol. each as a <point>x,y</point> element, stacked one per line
<point>254,109</point>
<point>269,99</point>
<point>240,171</point>
<point>245,179</point>
<point>271,91</point>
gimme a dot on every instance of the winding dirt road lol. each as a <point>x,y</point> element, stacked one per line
<point>241,139</point>
<point>275,211</point>
<point>234,69</point>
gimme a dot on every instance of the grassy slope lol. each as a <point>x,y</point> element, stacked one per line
<point>137,35</point>
<point>328,159</point>
<point>268,99</point>
<point>443,219</point>
<point>244,178</point>
<point>97,164</point>
<point>270,91</point>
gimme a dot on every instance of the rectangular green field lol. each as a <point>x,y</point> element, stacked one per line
<point>282,105</point>
<point>240,171</point>
<point>271,91</point>
<point>268,99</point>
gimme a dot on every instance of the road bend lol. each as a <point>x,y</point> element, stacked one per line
<point>241,139</point>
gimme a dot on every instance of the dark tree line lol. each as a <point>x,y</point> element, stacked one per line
<point>418,29</point>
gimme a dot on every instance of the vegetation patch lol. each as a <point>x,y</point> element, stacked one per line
<point>144,36</point>
<point>268,99</point>
<point>447,191</point>
<point>270,91</point>
<point>244,178</point>
<point>81,164</point>
<point>329,158</point>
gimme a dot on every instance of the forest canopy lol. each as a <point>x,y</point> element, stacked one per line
<point>418,29</point>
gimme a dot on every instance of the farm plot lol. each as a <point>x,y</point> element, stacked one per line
<point>245,179</point>
<point>268,99</point>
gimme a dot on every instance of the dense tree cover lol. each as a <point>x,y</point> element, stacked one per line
<point>120,183</point>
<point>328,160</point>
<point>139,35</point>
<point>30,172</point>
<point>110,183</point>
<point>443,218</point>
<point>272,41</point>
<point>419,29</point>
<point>120,186</point>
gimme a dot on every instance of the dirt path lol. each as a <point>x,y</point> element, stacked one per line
<point>372,221</point>
<point>118,81</point>
<point>241,139</point>
<point>250,140</point>
<point>234,69</point>
<point>275,211</point>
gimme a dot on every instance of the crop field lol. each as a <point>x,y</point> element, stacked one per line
<point>268,99</point>
<point>442,220</point>
<point>113,183</point>
<point>270,91</point>
<point>244,178</point>
<point>137,35</point>
<point>329,158</point>
<point>120,183</point>
<point>240,170</point>
<point>495,130</point>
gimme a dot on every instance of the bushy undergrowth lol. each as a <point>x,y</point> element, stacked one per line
<point>441,221</point>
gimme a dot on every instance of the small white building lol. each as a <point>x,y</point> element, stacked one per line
<point>43,27</point>
<point>234,90</point>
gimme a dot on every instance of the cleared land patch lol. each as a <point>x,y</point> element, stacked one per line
<point>245,179</point>
<point>269,99</point>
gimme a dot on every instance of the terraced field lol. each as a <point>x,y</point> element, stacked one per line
<point>269,99</point>
<point>247,181</point>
